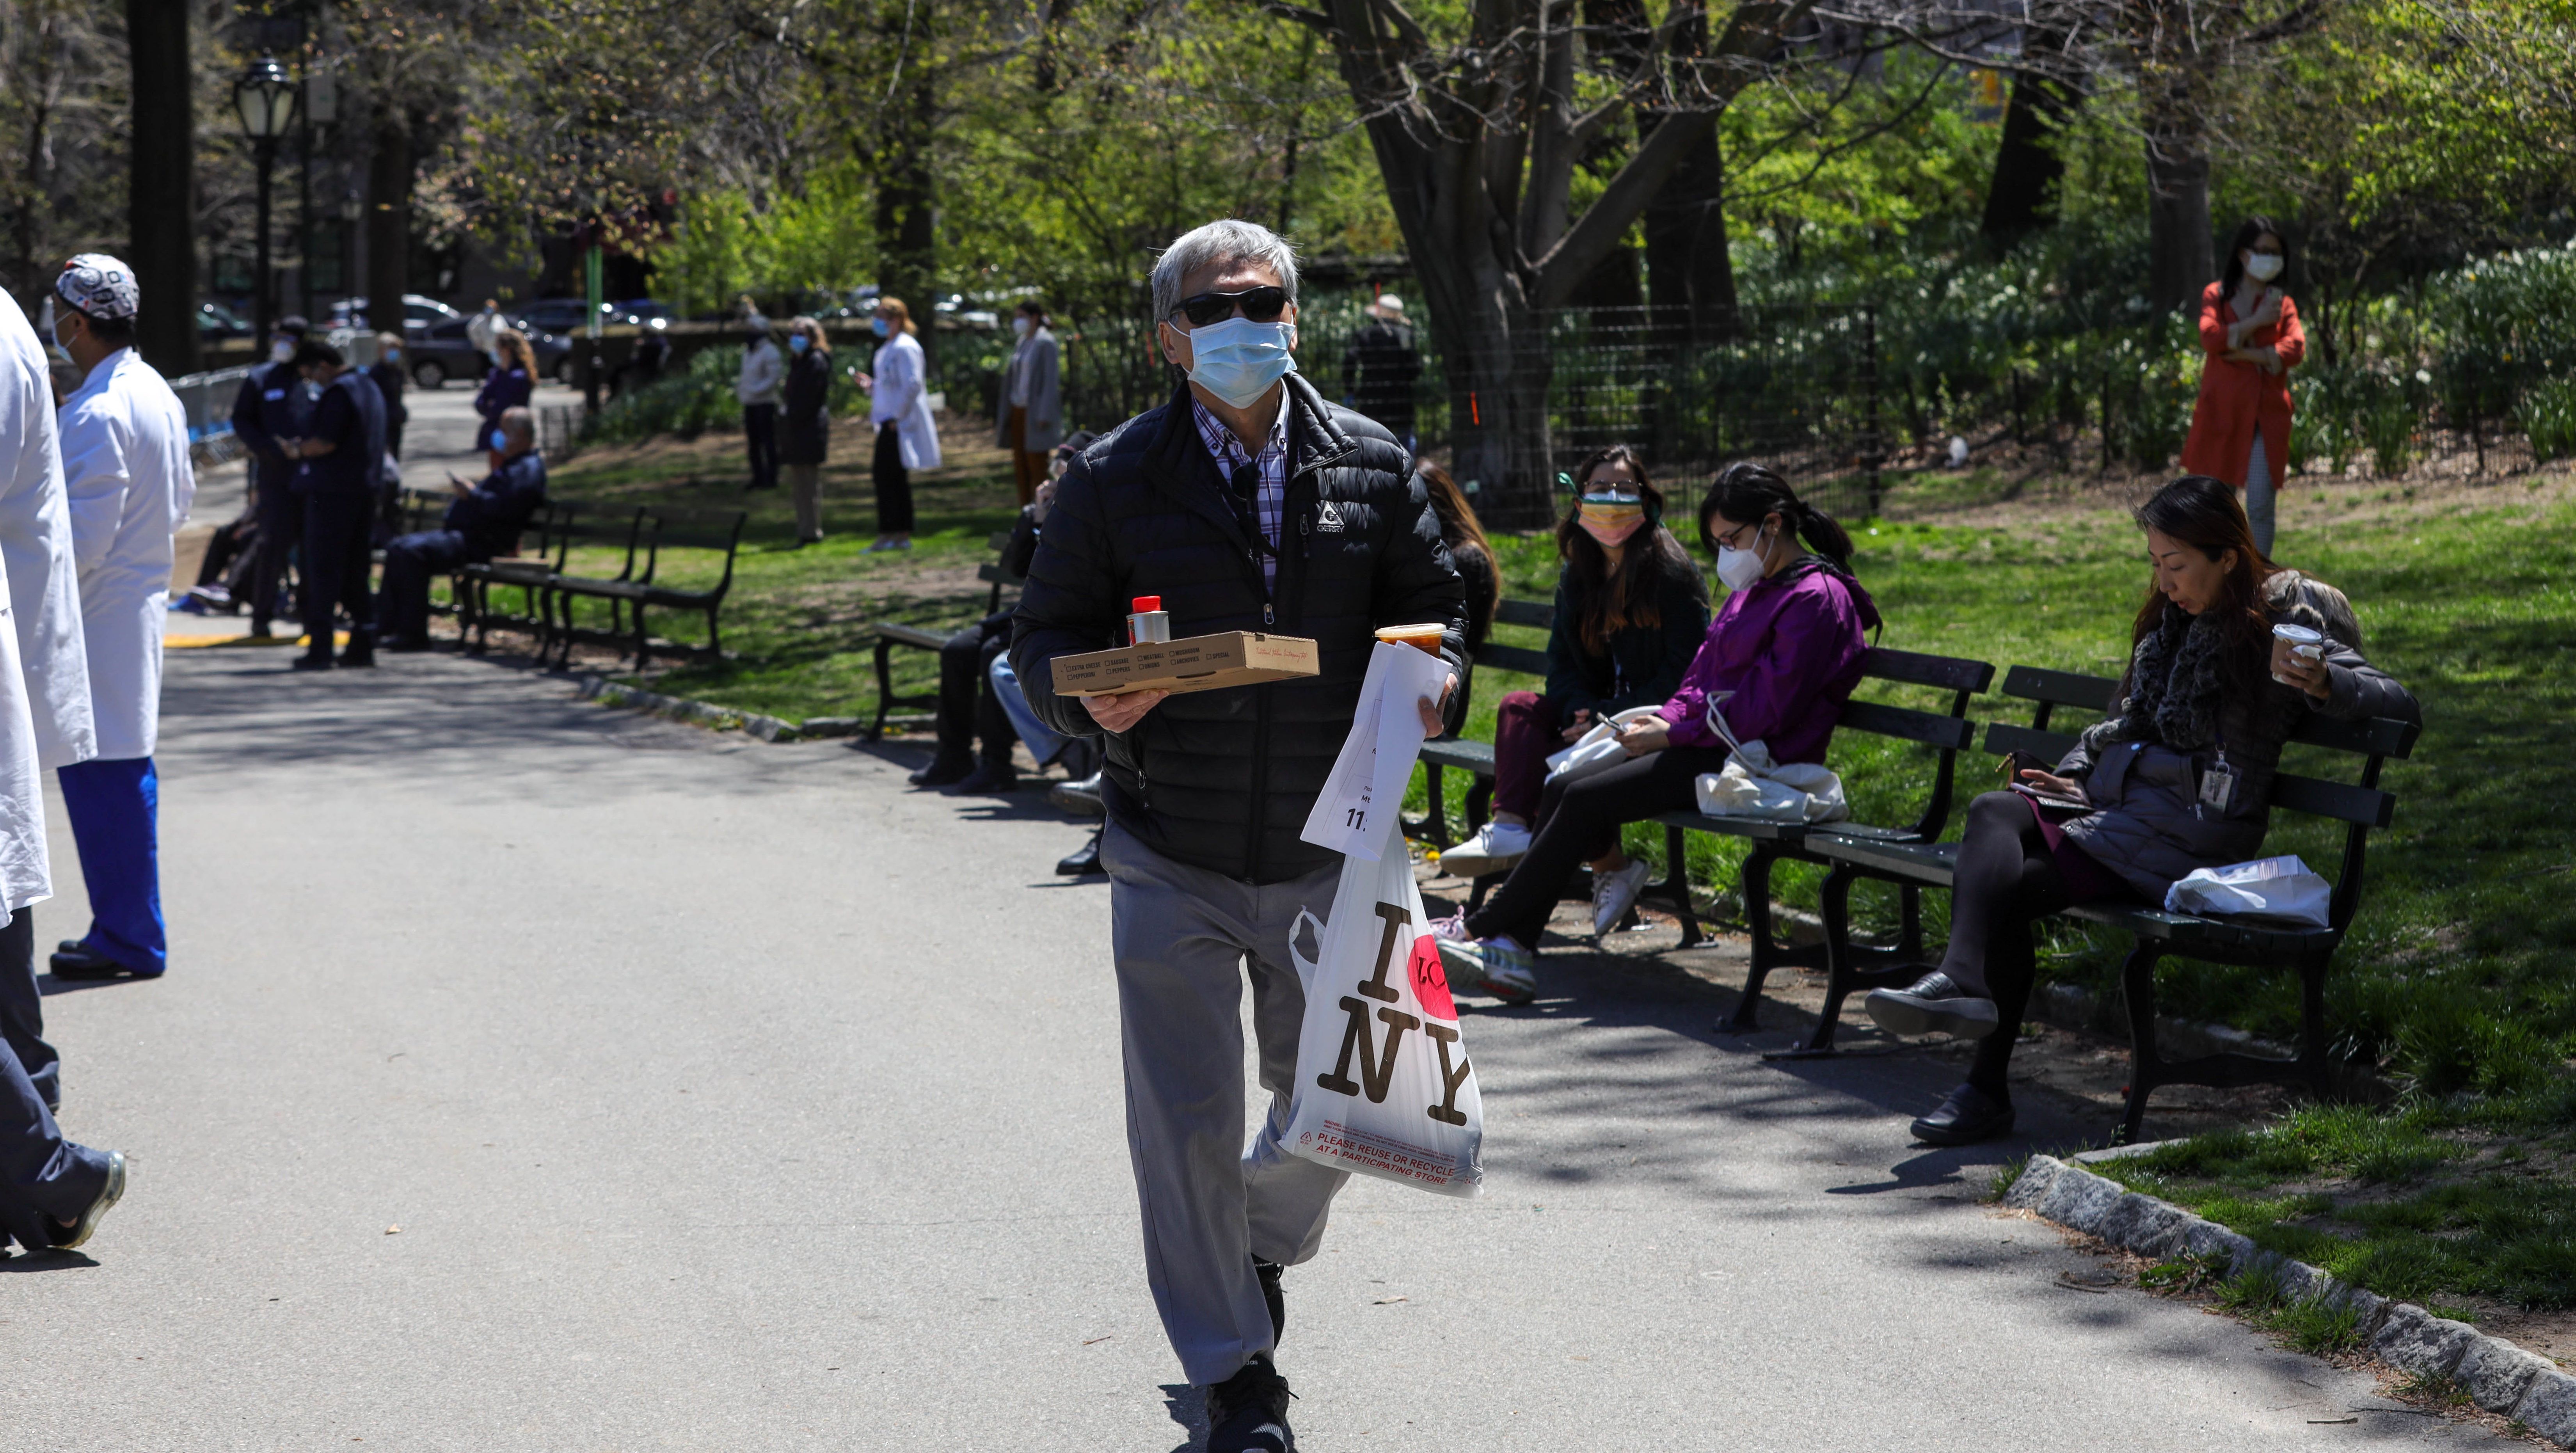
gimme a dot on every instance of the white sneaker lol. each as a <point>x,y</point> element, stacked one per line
<point>1497,847</point>
<point>1498,966</point>
<point>1613,894</point>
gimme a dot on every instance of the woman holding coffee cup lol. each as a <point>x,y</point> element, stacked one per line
<point>2178,777</point>
<point>2249,330</point>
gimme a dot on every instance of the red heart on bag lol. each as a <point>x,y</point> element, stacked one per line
<point>1430,981</point>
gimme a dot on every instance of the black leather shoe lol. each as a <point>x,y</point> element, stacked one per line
<point>73,961</point>
<point>359,657</point>
<point>315,660</point>
<point>1968,1116</point>
<point>1081,797</point>
<point>71,1235</point>
<point>943,769</point>
<point>1248,1412</point>
<point>1932,1005</point>
<point>1269,1272</point>
<point>1081,864</point>
<point>987,777</point>
<point>403,645</point>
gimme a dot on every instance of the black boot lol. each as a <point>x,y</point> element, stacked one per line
<point>945,768</point>
<point>1082,863</point>
<point>987,778</point>
<point>315,660</point>
<point>1968,1116</point>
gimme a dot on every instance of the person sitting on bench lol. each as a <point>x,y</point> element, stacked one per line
<point>1782,656</point>
<point>968,711</point>
<point>484,521</point>
<point>2178,777</point>
<point>1630,610</point>
<point>1473,554</point>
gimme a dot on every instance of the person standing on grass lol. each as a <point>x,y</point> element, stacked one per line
<point>757,387</point>
<point>2249,330</point>
<point>52,1190</point>
<point>1380,365</point>
<point>1630,610</point>
<point>899,412</point>
<point>1032,409</point>
<point>128,480</point>
<point>808,440</point>
<point>1247,503</point>
<point>2178,777</point>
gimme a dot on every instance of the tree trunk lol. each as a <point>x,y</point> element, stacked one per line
<point>161,196</point>
<point>2183,256</point>
<point>2021,198</point>
<point>907,241</point>
<point>1690,275</point>
<point>389,183</point>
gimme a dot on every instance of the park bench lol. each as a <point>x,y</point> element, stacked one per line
<point>1945,733</point>
<point>891,634</point>
<point>1476,758</point>
<point>530,571</point>
<point>637,588</point>
<point>2154,933</point>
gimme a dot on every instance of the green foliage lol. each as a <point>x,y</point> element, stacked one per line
<point>687,403</point>
<point>2548,416</point>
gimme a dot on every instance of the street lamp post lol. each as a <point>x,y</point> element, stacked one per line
<point>264,98</point>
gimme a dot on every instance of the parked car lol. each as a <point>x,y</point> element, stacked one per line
<point>214,321</point>
<point>641,313</point>
<point>553,315</point>
<point>435,345</point>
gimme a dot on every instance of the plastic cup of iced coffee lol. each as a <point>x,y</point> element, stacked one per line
<point>1421,638</point>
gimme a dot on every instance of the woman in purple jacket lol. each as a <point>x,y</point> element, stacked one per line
<point>1781,658</point>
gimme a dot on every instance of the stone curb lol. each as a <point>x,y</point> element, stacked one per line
<point>2497,1375</point>
<point>718,718</point>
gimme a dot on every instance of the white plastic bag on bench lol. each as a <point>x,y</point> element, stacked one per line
<point>1752,785</point>
<point>1597,750</point>
<point>1383,1083</point>
<point>2282,888</point>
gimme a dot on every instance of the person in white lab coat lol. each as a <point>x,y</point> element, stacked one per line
<point>52,1190</point>
<point>899,412</point>
<point>125,468</point>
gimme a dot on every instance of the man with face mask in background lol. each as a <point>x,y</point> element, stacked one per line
<point>274,403</point>
<point>484,520</point>
<point>759,387</point>
<point>127,478</point>
<point>1246,502</point>
<point>336,483</point>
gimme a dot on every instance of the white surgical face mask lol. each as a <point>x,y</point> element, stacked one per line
<point>280,351</point>
<point>1020,326</point>
<point>1238,360</point>
<point>2263,266</point>
<point>1739,569</point>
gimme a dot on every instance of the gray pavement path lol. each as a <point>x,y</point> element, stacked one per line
<point>732,1096</point>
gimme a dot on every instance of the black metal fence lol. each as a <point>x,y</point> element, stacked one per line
<point>1796,388</point>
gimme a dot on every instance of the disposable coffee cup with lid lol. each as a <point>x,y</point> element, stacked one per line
<point>2304,642</point>
<point>1421,638</point>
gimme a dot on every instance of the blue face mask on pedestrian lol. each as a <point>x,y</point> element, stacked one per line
<point>880,325</point>
<point>1238,360</point>
<point>500,440</point>
<point>798,343</point>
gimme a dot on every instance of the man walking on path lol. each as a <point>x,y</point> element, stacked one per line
<point>1247,503</point>
<point>273,404</point>
<point>758,386</point>
<point>52,1191</point>
<point>126,473</point>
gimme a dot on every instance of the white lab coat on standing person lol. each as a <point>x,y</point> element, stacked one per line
<point>36,545</point>
<point>126,471</point>
<point>900,396</point>
<point>31,493</point>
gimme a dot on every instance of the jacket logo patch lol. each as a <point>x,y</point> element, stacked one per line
<point>1328,518</point>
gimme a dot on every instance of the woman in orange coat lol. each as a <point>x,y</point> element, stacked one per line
<point>2240,428</point>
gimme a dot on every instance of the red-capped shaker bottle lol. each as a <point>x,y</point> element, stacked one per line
<point>1147,621</point>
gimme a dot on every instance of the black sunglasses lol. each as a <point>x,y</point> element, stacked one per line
<point>1261,305</point>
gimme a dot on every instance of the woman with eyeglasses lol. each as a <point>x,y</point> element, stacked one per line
<point>1779,660</point>
<point>899,411</point>
<point>1630,610</point>
<point>2249,330</point>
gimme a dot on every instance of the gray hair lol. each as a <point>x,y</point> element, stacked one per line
<point>1216,243</point>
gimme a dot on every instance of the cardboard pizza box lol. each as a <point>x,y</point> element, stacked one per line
<point>1198,663</point>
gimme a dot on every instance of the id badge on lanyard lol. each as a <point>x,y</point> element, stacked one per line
<point>2218,786</point>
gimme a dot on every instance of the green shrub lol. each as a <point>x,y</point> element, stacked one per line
<point>2548,418</point>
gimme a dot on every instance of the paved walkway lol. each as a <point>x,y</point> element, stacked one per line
<point>732,1096</point>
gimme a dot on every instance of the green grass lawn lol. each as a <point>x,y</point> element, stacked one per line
<point>2456,980</point>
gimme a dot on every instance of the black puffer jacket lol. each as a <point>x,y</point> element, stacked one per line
<point>1223,780</point>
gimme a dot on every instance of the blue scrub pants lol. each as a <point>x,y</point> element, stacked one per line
<point>115,808</point>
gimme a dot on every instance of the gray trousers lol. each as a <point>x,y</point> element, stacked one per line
<point>1184,939</point>
<point>2259,495</point>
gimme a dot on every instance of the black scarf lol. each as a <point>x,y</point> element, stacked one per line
<point>2176,677</point>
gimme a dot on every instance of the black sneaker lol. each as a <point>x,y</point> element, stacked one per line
<point>1269,1272</point>
<point>943,770</point>
<point>1932,1005</point>
<point>1968,1116</point>
<point>1248,1412</point>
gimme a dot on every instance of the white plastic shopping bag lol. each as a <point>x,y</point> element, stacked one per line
<point>1752,785</point>
<point>1368,781</point>
<point>1383,1083</point>
<point>2284,888</point>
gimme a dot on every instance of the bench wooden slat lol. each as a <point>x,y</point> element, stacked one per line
<point>2060,688</point>
<point>2187,931</point>
<point>1459,752</point>
<point>2365,805</point>
<point>1513,658</point>
<point>1913,668</point>
<point>910,636</point>
<point>1949,733</point>
<point>992,573</point>
<point>1930,864</point>
<point>2377,736</point>
<point>2003,736</point>
<point>1537,613</point>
